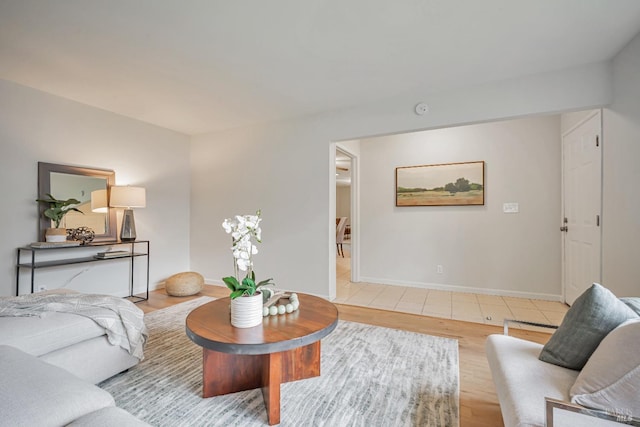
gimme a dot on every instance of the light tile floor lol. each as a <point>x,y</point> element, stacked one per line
<point>478,308</point>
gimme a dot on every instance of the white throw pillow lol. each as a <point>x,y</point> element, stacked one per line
<point>610,380</point>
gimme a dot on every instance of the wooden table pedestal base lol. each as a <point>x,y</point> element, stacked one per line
<point>225,373</point>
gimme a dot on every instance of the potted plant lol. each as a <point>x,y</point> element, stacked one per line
<point>246,298</point>
<point>56,211</point>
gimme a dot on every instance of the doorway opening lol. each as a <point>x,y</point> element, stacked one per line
<point>431,260</point>
<point>345,201</point>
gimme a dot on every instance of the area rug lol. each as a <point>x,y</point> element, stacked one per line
<point>370,376</point>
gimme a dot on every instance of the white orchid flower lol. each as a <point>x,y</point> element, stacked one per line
<point>241,254</point>
<point>243,229</point>
<point>243,244</point>
<point>228,226</point>
<point>252,221</point>
<point>243,264</point>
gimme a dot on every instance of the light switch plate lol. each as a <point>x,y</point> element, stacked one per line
<point>511,207</point>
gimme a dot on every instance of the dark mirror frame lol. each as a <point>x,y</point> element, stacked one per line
<point>44,187</point>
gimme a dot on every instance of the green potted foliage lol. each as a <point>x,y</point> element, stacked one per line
<point>248,286</point>
<point>246,296</point>
<point>55,212</point>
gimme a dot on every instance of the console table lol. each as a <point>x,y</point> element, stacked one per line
<point>135,249</point>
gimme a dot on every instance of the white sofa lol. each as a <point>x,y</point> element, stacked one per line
<point>71,342</point>
<point>49,366</point>
<point>35,393</point>
<point>533,393</point>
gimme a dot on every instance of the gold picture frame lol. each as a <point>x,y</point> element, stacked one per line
<point>447,184</point>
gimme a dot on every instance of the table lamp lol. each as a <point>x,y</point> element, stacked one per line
<point>99,201</point>
<point>128,198</point>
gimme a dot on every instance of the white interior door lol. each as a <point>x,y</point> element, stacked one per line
<point>582,204</point>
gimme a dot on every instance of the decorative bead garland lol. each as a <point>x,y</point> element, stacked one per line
<point>274,310</point>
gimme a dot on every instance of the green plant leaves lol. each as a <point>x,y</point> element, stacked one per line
<point>247,287</point>
<point>231,282</point>
<point>236,294</point>
<point>58,208</point>
<point>267,282</point>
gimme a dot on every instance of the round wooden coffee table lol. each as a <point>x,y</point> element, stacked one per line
<point>283,348</point>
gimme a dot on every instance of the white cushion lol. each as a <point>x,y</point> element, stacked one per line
<point>523,381</point>
<point>52,331</point>
<point>34,393</point>
<point>611,378</point>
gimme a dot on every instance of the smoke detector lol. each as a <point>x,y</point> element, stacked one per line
<point>422,109</point>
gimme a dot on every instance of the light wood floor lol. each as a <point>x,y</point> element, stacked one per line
<point>478,403</point>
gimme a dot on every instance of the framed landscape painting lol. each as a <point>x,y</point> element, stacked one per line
<point>451,184</point>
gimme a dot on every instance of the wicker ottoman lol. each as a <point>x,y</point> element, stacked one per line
<point>184,284</point>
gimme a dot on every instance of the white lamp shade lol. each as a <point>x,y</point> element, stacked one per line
<point>127,197</point>
<point>99,201</point>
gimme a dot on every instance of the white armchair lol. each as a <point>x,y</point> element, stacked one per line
<point>536,393</point>
<point>565,414</point>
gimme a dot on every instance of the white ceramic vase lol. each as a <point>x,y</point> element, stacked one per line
<point>55,235</point>
<point>246,311</point>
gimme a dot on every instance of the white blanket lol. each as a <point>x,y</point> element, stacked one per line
<point>122,321</point>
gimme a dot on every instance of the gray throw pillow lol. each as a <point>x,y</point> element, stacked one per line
<point>591,317</point>
<point>632,303</point>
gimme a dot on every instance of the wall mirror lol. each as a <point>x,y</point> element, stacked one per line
<point>64,182</point>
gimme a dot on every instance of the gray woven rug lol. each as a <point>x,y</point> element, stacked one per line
<point>371,376</point>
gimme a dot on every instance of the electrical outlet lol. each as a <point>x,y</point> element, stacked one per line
<point>439,269</point>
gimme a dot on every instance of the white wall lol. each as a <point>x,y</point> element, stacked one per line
<point>343,201</point>
<point>621,174</point>
<point>271,168</point>
<point>35,126</point>
<point>480,248</point>
<point>570,120</point>
<point>352,147</point>
<point>240,170</point>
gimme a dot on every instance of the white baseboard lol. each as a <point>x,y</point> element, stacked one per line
<point>467,289</point>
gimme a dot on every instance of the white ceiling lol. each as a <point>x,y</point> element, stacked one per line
<point>202,65</point>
